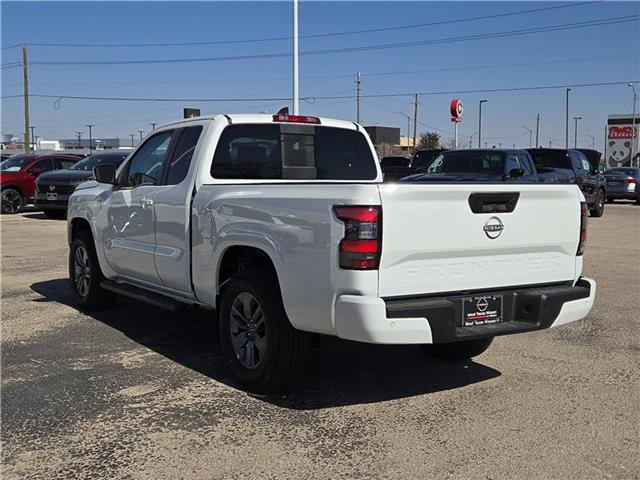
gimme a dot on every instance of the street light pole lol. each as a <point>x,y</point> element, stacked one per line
<point>593,141</point>
<point>633,127</point>
<point>140,132</point>
<point>566,121</point>
<point>79,139</point>
<point>296,104</point>
<point>471,138</point>
<point>480,123</point>
<point>530,133</point>
<point>153,125</point>
<point>575,132</point>
<point>90,137</point>
<point>33,138</point>
<point>132,143</point>
<point>408,127</point>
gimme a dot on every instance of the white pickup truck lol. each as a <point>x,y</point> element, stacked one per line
<point>281,225</point>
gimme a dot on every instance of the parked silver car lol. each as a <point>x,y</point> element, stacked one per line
<point>623,183</point>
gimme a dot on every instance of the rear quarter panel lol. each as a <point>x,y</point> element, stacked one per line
<point>295,226</point>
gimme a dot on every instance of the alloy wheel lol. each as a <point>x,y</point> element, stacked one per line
<point>248,330</point>
<point>82,271</point>
<point>11,201</point>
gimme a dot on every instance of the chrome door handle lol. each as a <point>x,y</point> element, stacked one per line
<point>145,202</point>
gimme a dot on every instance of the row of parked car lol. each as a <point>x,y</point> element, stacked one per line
<point>534,165</point>
<point>48,180</point>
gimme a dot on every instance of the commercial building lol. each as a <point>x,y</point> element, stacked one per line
<point>622,141</point>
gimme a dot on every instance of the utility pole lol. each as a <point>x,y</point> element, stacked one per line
<point>132,143</point>
<point>634,134</point>
<point>530,133</point>
<point>296,100</point>
<point>537,130</point>
<point>593,141</point>
<point>575,132</point>
<point>25,73</point>
<point>153,125</point>
<point>90,137</point>
<point>606,139</point>
<point>480,124</point>
<point>79,134</point>
<point>566,121</point>
<point>415,119</point>
<point>33,138</point>
<point>140,132</point>
<point>358,87</point>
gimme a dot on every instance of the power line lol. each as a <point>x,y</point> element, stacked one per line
<point>342,75</point>
<point>312,99</point>
<point>315,35</point>
<point>384,46</point>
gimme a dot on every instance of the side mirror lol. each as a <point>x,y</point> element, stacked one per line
<point>105,173</point>
<point>35,171</point>
<point>516,173</point>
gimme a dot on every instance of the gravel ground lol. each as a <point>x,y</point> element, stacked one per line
<point>135,392</point>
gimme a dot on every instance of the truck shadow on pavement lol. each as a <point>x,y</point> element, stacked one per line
<point>338,373</point>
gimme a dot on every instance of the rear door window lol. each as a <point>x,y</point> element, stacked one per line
<point>45,165</point>
<point>182,155</point>
<point>65,163</point>
<point>294,152</point>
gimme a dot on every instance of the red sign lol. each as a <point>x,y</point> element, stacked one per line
<point>456,110</point>
<point>623,131</point>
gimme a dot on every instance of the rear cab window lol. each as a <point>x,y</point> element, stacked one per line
<point>282,151</point>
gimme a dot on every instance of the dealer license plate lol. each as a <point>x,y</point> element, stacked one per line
<point>482,310</point>
<point>52,196</point>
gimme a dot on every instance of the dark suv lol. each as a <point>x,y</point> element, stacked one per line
<point>572,166</point>
<point>54,188</point>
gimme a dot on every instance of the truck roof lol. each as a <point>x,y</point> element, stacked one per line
<point>264,118</point>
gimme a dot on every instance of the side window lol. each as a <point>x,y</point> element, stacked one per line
<point>145,167</point>
<point>575,161</point>
<point>64,163</point>
<point>181,159</point>
<point>523,160</point>
<point>584,163</point>
<point>512,162</point>
<point>248,152</point>
<point>45,165</point>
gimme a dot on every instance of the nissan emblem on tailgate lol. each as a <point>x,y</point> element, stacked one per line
<point>493,228</point>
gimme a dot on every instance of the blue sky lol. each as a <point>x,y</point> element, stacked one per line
<point>599,54</point>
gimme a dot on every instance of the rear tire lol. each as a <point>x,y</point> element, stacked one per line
<point>11,201</point>
<point>456,351</point>
<point>598,207</point>
<point>85,275</point>
<point>264,352</point>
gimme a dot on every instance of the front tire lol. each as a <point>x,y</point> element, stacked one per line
<point>457,351</point>
<point>85,275</point>
<point>598,207</point>
<point>264,352</point>
<point>11,200</point>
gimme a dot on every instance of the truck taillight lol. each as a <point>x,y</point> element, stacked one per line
<point>295,119</point>
<point>362,243</point>
<point>584,215</point>
<point>629,181</point>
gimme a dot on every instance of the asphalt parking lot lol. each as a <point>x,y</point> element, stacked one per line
<point>135,392</point>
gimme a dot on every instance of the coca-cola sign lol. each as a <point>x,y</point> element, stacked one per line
<point>622,131</point>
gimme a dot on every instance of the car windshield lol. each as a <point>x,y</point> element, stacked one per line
<point>468,162</point>
<point>14,164</point>
<point>551,158</point>
<point>99,159</point>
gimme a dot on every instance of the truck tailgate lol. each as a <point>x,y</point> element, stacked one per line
<point>432,241</point>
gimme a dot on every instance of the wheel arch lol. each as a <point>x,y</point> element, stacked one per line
<point>236,258</point>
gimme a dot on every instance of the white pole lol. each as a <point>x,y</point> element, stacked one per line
<point>455,129</point>
<point>296,100</point>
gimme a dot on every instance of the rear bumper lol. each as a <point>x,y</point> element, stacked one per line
<point>439,319</point>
